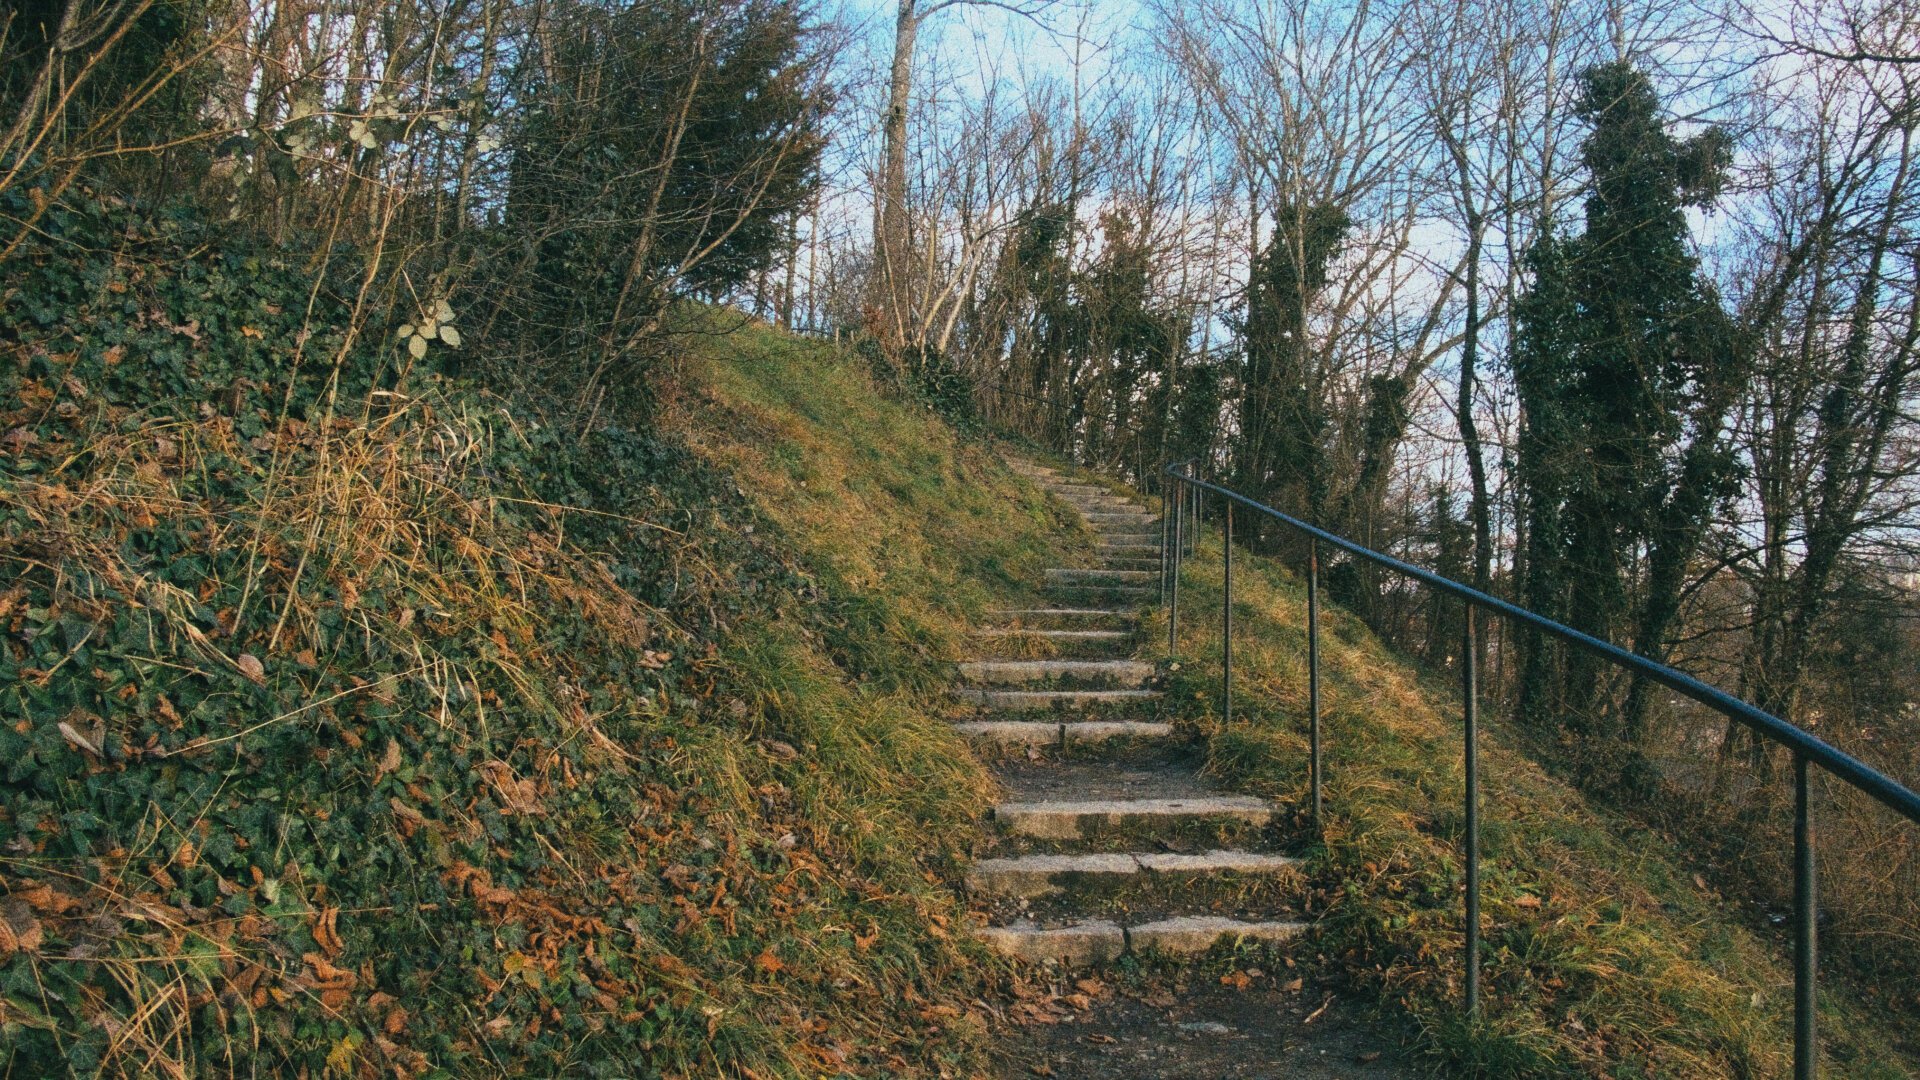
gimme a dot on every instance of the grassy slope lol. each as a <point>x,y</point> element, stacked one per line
<point>413,738</point>
<point>1602,955</point>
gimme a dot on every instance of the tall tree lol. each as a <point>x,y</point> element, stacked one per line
<point>891,286</point>
<point>1284,411</point>
<point>1626,367</point>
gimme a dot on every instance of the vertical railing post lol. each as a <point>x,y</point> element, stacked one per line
<point>1806,954</point>
<point>1226,621</point>
<point>1173,589</point>
<point>1470,690</point>
<point>1193,519</point>
<point>1166,534</point>
<point>1313,679</point>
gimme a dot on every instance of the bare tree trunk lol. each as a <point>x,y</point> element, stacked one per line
<point>890,272</point>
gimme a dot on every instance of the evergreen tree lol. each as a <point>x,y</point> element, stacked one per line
<point>1284,409</point>
<point>1625,366</point>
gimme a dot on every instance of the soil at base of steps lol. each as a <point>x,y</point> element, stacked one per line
<point>1208,1033</point>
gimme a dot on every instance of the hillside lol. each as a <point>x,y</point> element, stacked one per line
<point>362,726</point>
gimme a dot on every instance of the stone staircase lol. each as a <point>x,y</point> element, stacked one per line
<point>1110,841</point>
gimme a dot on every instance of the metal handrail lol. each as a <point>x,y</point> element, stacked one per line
<point>1807,749</point>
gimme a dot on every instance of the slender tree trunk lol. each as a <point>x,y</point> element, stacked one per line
<point>890,272</point>
<point>1480,505</point>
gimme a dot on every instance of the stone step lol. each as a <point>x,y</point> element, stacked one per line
<point>1109,517</point>
<point>1105,541</point>
<point>1049,699</point>
<point>1057,636</point>
<point>1014,672</point>
<point>1046,733</point>
<point>1030,876</point>
<point>1086,944</point>
<point>1103,590</point>
<point>1120,547</point>
<point>1096,576</point>
<point>1066,488</point>
<point>1074,820</point>
<point>1015,642</point>
<point>1091,592</point>
<point>1098,941</point>
<point>1068,618</point>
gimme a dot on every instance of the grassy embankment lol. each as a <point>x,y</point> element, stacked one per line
<point>1603,955</point>
<point>360,725</point>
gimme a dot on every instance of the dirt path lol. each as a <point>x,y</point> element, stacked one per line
<point>1215,1032</point>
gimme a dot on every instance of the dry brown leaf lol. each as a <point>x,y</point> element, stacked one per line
<point>326,932</point>
<point>43,899</point>
<point>19,930</point>
<point>251,667</point>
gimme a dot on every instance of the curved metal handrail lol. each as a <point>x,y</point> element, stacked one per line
<point>1808,750</point>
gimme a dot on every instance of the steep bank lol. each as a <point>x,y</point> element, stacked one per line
<point>358,725</point>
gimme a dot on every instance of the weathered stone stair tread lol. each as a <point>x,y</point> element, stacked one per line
<point>1044,699</point>
<point>1080,945</point>
<point>1170,775</point>
<point>1011,732</point>
<point>1097,731</point>
<point>1189,934</point>
<point>1041,875</point>
<point>1069,612</point>
<point>1098,941</point>
<point>1045,733</point>
<point>1097,574</point>
<point>1069,820</point>
<point>1055,635</point>
<point>1133,672</point>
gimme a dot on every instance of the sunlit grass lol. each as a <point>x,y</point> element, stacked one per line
<point>1601,954</point>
